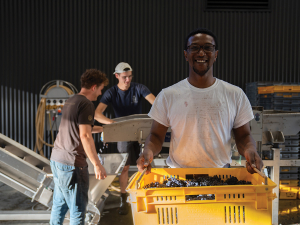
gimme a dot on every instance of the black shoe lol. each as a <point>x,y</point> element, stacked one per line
<point>124,208</point>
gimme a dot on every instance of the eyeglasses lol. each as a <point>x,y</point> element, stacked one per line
<point>208,48</point>
<point>124,77</point>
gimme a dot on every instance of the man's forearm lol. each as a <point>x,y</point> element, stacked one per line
<point>103,119</point>
<point>97,129</point>
<point>245,143</point>
<point>90,150</point>
<point>154,144</point>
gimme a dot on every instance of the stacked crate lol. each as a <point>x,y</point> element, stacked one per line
<point>290,175</point>
<point>288,189</point>
<point>290,149</point>
<point>276,96</point>
<point>252,91</point>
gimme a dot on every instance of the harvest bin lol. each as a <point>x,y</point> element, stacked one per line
<point>233,204</point>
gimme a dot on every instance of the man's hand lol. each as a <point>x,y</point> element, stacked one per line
<point>153,146</point>
<point>145,160</point>
<point>100,172</point>
<point>253,160</point>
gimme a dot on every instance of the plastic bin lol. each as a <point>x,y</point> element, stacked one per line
<point>289,183</point>
<point>291,143</point>
<point>286,102</point>
<point>290,176</point>
<point>292,137</point>
<point>283,95</point>
<point>240,204</point>
<point>289,169</point>
<point>290,149</point>
<point>279,88</point>
<point>289,156</point>
<point>288,192</point>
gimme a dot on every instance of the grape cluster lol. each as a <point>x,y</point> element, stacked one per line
<point>154,185</point>
<point>234,181</point>
<point>173,182</point>
<point>200,181</point>
<point>200,197</point>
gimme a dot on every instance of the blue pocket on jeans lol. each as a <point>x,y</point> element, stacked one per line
<point>66,176</point>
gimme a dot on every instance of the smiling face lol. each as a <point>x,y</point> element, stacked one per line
<point>125,79</point>
<point>200,62</point>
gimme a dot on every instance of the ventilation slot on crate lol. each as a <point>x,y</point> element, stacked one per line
<point>231,196</point>
<point>234,214</point>
<point>167,215</point>
<point>165,198</point>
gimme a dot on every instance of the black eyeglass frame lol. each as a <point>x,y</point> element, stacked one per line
<point>202,46</point>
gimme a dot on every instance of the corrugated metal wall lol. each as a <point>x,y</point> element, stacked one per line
<point>47,40</point>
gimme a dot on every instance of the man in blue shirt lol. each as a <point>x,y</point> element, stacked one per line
<point>125,98</point>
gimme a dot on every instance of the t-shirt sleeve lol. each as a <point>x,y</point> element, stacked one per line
<point>86,114</point>
<point>159,110</point>
<point>244,111</point>
<point>106,97</point>
<point>144,90</point>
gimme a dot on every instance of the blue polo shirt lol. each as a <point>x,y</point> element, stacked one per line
<point>127,102</point>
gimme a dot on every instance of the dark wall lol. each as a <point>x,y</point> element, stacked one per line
<point>47,40</point>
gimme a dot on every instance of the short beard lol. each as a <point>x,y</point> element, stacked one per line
<point>201,73</point>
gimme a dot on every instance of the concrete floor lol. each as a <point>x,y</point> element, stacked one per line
<point>10,199</point>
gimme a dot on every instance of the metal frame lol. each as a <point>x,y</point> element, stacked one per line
<point>270,130</point>
<point>275,165</point>
<point>129,128</point>
<point>30,174</point>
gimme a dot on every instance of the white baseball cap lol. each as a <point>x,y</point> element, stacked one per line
<point>122,67</point>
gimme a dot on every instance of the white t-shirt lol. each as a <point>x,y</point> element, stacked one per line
<point>201,120</point>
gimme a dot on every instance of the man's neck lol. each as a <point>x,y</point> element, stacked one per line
<point>86,93</point>
<point>123,88</point>
<point>204,81</point>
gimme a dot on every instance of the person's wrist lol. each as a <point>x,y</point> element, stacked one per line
<point>98,165</point>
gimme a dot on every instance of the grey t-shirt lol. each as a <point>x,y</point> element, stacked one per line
<point>68,148</point>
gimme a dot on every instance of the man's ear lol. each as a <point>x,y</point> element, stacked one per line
<point>185,55</point>
<point>94,87</point>
<point>216,55</point>
<point>117,75</point>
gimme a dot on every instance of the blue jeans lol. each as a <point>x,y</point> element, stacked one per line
<point>70,192</point>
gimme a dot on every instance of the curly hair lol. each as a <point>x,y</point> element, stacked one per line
<point>201,31</point>
<point>91,77</point>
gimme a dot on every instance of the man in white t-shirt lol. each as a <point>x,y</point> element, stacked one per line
<point>201,111</point>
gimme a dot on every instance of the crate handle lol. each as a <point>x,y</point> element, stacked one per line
<point>261,174</point>
<point>138,180</point>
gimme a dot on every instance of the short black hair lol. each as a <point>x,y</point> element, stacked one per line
<point>201,31</point>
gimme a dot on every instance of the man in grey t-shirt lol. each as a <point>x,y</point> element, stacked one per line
<point>73,144</point>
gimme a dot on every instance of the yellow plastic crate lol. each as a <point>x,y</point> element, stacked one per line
<point>288,192</point>
<point>272,89</point>
<point>288,183</point>
<point>233,204</point>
